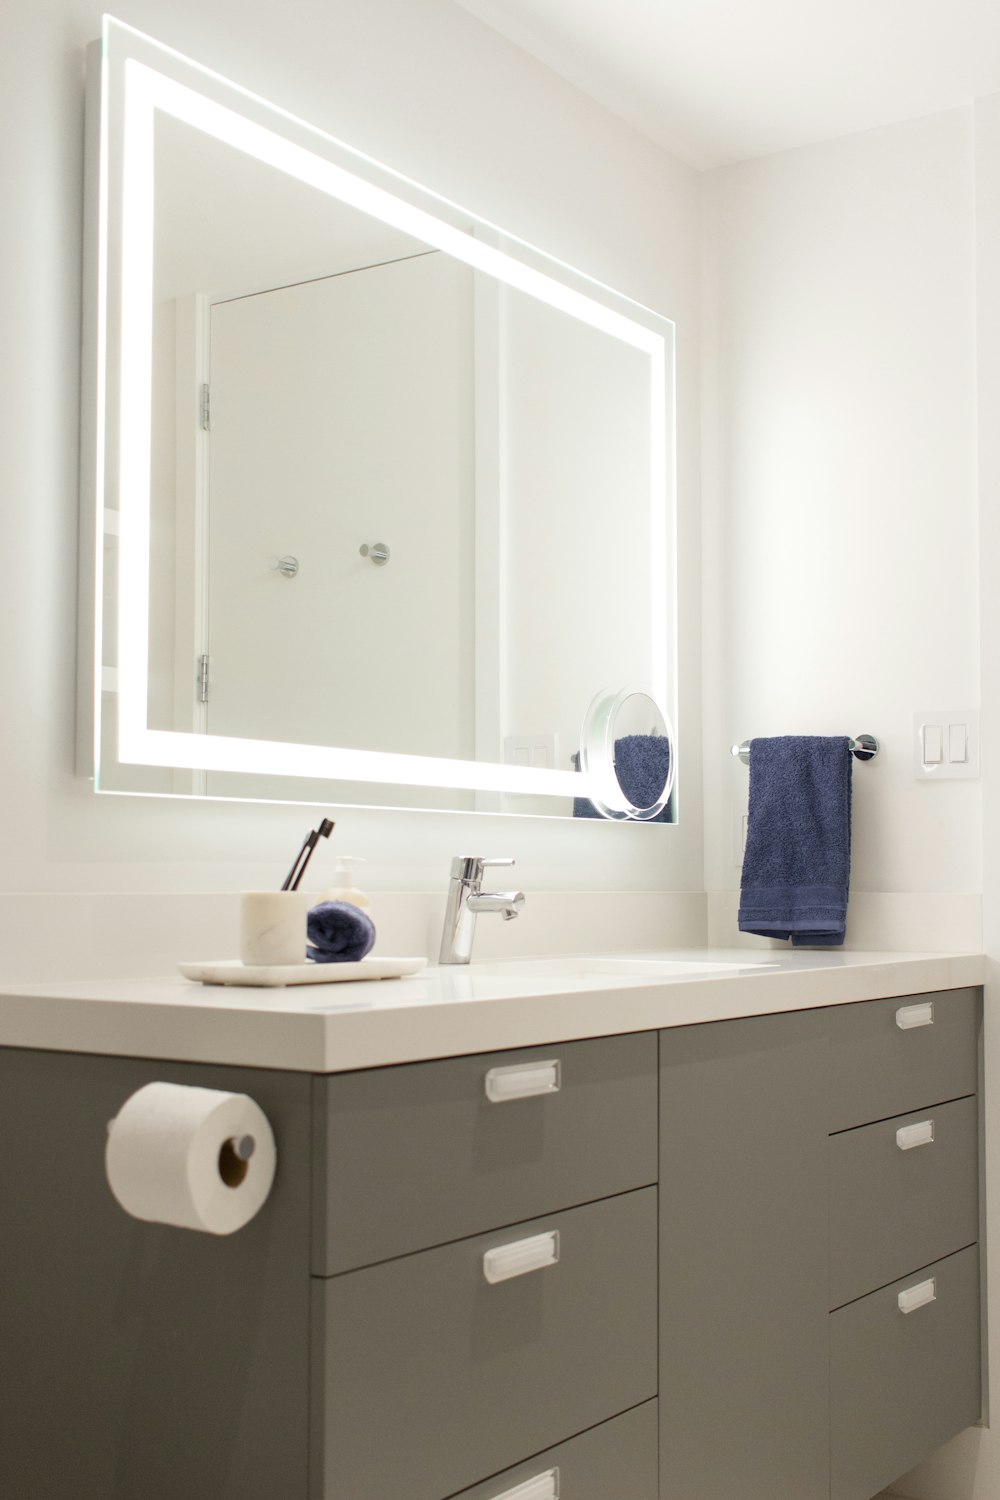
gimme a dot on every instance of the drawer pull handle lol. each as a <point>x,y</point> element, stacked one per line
<point>523,1081</point>
<point>915,1135</point>
<point>917,1296</point>
<point>542,1487</point>
<point>909,1016</point>
<point>520,1257</point>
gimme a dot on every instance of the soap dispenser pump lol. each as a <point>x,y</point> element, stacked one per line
<point>343,888</point>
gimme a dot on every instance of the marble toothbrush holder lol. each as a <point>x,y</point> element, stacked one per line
<point>273,926</point>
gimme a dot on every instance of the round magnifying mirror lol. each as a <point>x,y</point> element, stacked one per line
<point>627,754</point>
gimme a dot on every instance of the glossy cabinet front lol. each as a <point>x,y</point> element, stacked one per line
<point>904,1373</point>
<point>142,1362</point>
<point>731,1259</point>
<point>431,1376</point>
<point>743,1260</point>
<point>410,1157</point>
<point>819,1273</point>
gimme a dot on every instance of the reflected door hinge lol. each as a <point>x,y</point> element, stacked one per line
<point>204,408</point>
<point>203,679</point>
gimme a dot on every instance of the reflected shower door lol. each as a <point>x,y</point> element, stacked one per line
<point>341,417</point>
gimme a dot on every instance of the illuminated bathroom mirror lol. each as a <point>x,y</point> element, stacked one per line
<point>376,496</point>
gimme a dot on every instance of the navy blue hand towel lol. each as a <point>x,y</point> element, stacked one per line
<point>797,864</point>
<point>339,933</point>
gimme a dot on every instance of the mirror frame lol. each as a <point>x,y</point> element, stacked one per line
<point>130,76</point>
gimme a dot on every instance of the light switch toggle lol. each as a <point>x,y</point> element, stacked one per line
<point>958,744</point>
<point>933,744</point>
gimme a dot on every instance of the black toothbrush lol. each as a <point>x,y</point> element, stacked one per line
<point>304,855</point>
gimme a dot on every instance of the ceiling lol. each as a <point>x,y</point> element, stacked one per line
<point>717,81</point>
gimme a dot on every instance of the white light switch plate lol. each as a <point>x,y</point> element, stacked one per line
<point>946,744</point>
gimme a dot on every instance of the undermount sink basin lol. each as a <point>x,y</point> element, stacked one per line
<point>635,968</point>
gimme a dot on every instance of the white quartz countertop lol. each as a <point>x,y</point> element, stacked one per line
<point>443,1012</point>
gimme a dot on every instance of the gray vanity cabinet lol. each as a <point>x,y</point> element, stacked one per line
<point>904,1291</point>
<point>139,1362</point>
<point>893,1210</point>
<point>432,1367</point>
<point>743,1260</point>
<point>616,1461</point>
<point>886,1058</point>
<point>819,1271</point>
<point>731,1259</point>
<point>410,1157</point>
<point>901,1385</point>
<point>429,1377</point>
<point>142,1362</point>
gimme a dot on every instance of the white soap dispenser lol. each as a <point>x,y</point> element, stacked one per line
<point>343,888</point>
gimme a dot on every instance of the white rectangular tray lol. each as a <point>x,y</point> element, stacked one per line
<point>232,971</point>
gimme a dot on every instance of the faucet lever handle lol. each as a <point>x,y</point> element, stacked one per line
<point>470,867</point>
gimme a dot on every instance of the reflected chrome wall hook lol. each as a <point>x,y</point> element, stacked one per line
<point>378,552</point>
<point>287,566</point>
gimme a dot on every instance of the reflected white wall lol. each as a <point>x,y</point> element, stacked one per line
<point>577,519</point>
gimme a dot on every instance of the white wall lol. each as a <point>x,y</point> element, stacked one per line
<point>852,528</point>
<point>840,538</point>
<point>969,1467</point>
<point>425,87</point>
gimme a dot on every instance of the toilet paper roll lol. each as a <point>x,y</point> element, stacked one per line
<point>197,1158</point>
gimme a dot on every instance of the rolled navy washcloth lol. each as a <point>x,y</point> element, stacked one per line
<point>338,933</point>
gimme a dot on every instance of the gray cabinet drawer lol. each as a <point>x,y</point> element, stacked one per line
<point>878,1068</point>
<point>610,1462</point>
<point>896,1205</point>
<point>415,1156</point>
<point>903,1383</point>
<point>427,1378</point>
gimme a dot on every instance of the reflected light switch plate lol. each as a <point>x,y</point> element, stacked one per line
<point>538,750</point>
<point>946,744</point>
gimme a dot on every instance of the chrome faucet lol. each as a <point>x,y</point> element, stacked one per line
<point>466,900</point>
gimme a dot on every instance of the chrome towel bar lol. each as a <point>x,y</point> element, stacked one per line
<point>865,747</point>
